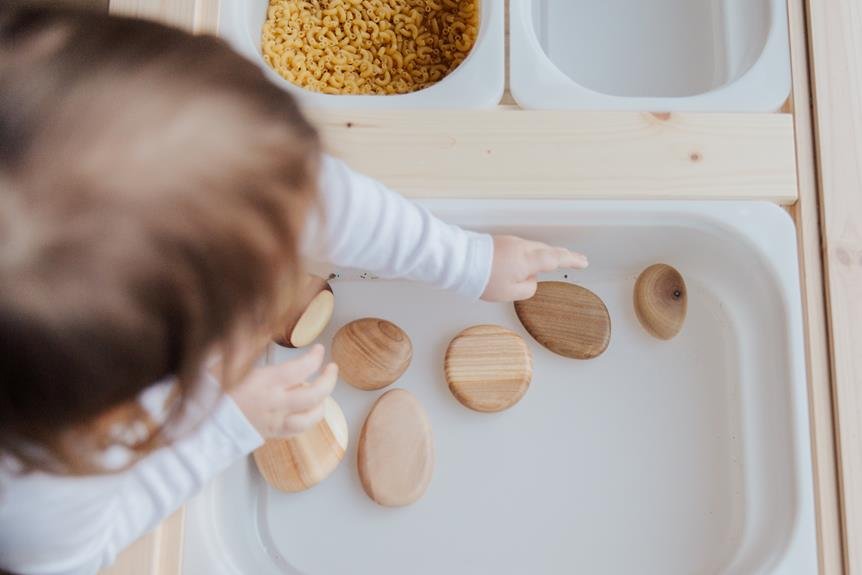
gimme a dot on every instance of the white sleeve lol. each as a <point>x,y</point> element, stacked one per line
<point>51,525</point>
<point>369,227</point>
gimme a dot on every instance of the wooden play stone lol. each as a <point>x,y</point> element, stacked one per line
<point>299,462</point>
<point>488,368</point>
<point>568,319</point>
<point>396,450</point>
<point>371,353</point>
<point>307,320</point>
<point>661,300</point>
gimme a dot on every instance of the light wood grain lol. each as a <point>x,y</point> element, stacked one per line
<point>371,352</point>
<point>396,450</point>
<point>179,13</point>
<point>806,214</point>
<point>157,553</point>
<point>835,28</point>
<point>568,319</point>
<point>302,461</point>
<point>206,16</point>
<point>488,368</point>
<point>549,154</point>
<point>200,16</point>
<point>309,316</point>
<point>661,300</point>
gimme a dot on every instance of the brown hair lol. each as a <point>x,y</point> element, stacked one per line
<point>154,187</point>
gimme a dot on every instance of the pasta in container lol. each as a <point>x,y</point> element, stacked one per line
<point>378,47</point>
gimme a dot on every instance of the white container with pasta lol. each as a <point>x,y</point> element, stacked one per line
<point>477,82</point>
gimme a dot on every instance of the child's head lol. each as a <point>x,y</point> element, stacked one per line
<point>153,187</point>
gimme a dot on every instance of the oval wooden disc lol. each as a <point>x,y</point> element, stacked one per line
<point>396,450</point>
<point>299,462</point>
<point>371,353</point>
<point>568,319</point>
<point>488,368</point>
<point>661,300</point>
<point>307,320</point>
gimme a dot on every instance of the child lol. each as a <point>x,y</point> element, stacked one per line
<point>157,194</point>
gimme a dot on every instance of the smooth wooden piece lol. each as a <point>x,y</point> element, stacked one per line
<point>835,29</point>
<point>301,462</point>
<point>488,368</point>
<point>806,214</point>
<point>554,154</point>
<point>568,319</point>
<point>396,450</point>
<point>307,321</point>
<point>661,300</point>
<point>371,353</point>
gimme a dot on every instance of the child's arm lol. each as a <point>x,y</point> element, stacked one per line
<point>74,526</point>
<point>62,525</point>
<point>369,227</point>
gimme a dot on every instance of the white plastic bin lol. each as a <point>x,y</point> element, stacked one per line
<point>477,83</point>
<point>658,457</point>
<point>655,55</point>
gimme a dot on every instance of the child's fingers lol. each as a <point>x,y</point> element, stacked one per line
<point>304,397</point>
<point>572,260</point>
<point>523,290</point>
<point>299,422</point>
<point>548,259</point>
<point>297,370</point>
<point>542,260</point>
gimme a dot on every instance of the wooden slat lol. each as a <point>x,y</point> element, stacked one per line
<point>158,553</point>
<point>177,12</point>
<point>807,214</point>
<point>199,16</point>
<point>835,31</point>
<point>569,154</point>
<point>206,17</point>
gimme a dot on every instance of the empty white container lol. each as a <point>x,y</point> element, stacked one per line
<point>478,82</point>
<point>680,457</point>
<point>656,55</point>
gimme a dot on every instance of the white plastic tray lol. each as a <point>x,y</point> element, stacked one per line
<point>681,457</point>
<point>660,55</point>
<point>477,83</point>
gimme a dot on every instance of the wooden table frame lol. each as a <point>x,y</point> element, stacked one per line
<point>804,160</point>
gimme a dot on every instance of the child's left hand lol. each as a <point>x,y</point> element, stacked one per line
<point>517,263</point>
<point>285,399</point>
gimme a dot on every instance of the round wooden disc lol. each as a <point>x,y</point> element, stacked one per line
<point>568,319</point>
<point>396,450</point>
<point>488,368</point>
<point>300,462</point>
<point>371,353</point>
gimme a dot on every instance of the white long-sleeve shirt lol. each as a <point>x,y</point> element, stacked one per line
<point>73,526</point>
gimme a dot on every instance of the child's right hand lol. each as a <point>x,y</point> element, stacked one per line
<point>280,400</point>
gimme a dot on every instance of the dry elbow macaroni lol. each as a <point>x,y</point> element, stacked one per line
<point>368,46</point>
